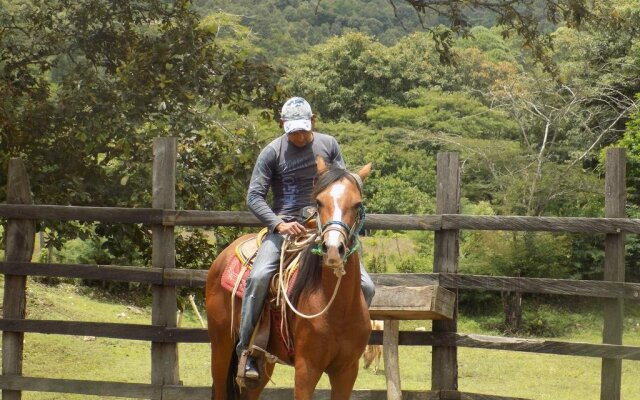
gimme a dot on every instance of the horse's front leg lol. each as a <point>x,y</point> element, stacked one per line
<point>342,381</point>
<point>307,376</point>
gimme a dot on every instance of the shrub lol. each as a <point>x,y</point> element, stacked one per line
<point>538,320</point>
<point>413,264</point>
<point>544,321</point>
<point>43,257</point>
<point>377,264</point>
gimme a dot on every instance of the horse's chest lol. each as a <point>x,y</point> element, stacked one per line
<point>338,336</point>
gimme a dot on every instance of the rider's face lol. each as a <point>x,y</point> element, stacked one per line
<point>300,138</point>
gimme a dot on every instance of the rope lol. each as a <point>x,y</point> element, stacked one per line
<point>308,238</point>
<point>315,236</point>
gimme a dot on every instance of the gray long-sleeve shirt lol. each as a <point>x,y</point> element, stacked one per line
<point>288,171</point>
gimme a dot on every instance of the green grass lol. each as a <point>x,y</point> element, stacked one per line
<point>502,373</point>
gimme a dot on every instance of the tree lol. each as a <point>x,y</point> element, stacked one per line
<point>393,195</point>
<point>403,177</point>
<point>348,76</point>
<point>558,123</point>
<point>560,127</point>
<point>343,77</point>
<point>86,85</point>
<point>289,28</point>
<point>531,20</point>
<point>630,142</point>
<point>452,113</point>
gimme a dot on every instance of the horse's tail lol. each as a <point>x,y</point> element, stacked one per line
<point>233,390</point>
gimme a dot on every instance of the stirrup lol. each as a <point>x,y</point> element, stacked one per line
<point>251,369</point>
<point>243,379</point>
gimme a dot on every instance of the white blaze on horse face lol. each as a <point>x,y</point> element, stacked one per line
<point>334,238</point>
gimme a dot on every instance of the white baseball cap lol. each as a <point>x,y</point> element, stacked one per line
<point>296,115</point>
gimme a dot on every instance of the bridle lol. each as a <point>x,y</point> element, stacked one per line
<point>349,233</point>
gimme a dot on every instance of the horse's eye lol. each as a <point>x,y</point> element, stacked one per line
<point>318,204</point>
<point>358,206</point>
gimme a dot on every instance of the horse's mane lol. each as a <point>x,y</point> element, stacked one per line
<point>310,272</point>
<point>324,179</point>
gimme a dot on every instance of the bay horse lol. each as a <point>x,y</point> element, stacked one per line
<point>331,342</point>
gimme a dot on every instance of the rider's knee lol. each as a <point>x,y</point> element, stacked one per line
<point>260,277</point>
<point>368,290</point>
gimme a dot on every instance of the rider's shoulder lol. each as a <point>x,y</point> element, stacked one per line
<point>272,147</point>
<point>324,137</point>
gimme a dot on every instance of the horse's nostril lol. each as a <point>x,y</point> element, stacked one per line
<point>324,248</point>
<point>341,250</point>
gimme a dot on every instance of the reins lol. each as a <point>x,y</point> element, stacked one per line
<point>292,245</point>
<point>314,236</point>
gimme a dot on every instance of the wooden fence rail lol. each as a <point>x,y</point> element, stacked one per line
<point>164,278</point>
<point>197,279</point>
<point>177,392</point>
<point>163,334</point>
<point>432,222</point>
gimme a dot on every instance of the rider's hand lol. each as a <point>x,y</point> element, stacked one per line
<point>290,228</point>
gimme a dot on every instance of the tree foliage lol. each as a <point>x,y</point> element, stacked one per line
<point>86,85</point>
<point>631,142</point>
<point>531,20</point>
<point>403,178</point>
<point>343,77</point>
<point>97,81</point>
<point>291,27</point>
<point>349,75</point>
<point>453,113</point>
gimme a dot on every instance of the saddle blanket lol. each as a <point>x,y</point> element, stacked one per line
<point>230,276</point>
<point>243,256</point>
<point>232,271</point>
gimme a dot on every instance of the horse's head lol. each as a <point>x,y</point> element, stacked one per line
<point>338,195</point>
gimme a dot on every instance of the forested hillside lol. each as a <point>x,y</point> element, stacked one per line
<point>286,28</point>
<point>84,89</point>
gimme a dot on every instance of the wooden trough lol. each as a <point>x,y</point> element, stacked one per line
<point>395,303</point>
<point>413,303</point>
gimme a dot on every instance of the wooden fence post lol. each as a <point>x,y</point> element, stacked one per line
<point>164,356</point>
<point>444,359</point>
<point>614,269</point>
<point>391,359</point>
<point>20,237</point>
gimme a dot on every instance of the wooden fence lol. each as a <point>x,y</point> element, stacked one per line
<point>164,277</point>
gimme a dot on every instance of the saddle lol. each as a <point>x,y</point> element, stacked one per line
<point>235,274</point>
<point>234,279</point>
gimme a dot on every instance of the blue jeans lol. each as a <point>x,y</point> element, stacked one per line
<point>265,265</point>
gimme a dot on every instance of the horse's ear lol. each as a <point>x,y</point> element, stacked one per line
<point>364,172</point>
<point>322,166</point>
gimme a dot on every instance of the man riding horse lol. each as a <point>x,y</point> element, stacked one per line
<point>287,167</point>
